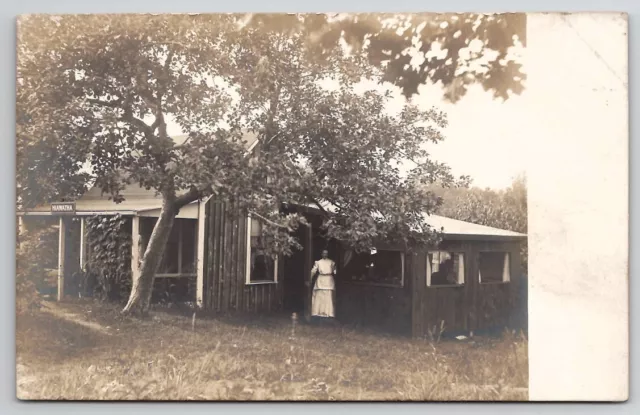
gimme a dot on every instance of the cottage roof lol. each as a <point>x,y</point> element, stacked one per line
<point>457,229</point>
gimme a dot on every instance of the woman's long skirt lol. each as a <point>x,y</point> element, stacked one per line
<point>322,303</point>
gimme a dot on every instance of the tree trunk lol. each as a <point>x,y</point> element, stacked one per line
<point>142,288</point>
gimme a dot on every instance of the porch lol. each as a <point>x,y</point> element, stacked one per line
<point>72,251</point>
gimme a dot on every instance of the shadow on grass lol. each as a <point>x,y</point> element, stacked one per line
<point>48,338</point>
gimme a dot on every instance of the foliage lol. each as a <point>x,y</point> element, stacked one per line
<point>408,50</point>
<point>109,256</point>
<point>503,209</point>
<point>329,147</point>
<point>35,256</point>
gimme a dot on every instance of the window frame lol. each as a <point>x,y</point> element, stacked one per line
<point>428,268</point>
<point>508,257</point>
<point>179,274</point>
<point>383,284</point>
<point>247,278</point>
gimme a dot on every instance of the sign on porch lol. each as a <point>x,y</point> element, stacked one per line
<point>63,208</point>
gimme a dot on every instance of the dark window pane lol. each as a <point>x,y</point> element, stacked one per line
<point>189,251</point>
<point>493,266</point>
<point>262,266</point>
<point>381,267</point>
<point>445,268</point>
<point>169,264</point>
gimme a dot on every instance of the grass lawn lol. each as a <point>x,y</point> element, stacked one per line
<point>85,350</point>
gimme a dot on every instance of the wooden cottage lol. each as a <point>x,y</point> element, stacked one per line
<point>468,283</point>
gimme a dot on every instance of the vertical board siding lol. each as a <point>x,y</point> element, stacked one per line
<point>220,254</point>
<point>225,266</point>
<point>206,282</point>
<point>387,308</point>
<point>240,260</point>
<point>227,255</point>
<point>472,306</point>
<point>417,294</point>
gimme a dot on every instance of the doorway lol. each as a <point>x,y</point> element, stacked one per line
<point>297,267</point>
<point>295,271</point>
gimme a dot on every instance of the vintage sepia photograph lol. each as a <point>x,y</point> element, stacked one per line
<point>272,207</point>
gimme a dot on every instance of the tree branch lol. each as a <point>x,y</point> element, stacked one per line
<point>191,196</point>
<point>179,146</point>
<point>143,126</point>
<point>271,114</point>
<point>270,222</point>
<point>159,121</point>
<point>315,202</point>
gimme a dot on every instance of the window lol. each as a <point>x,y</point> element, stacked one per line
<point>169,263</point>
<point>189,243</point>
<point>445,268</point>
<point>494,267</point>
<point>261,268</point>
<point>379,267</point>
<point>180,255</point>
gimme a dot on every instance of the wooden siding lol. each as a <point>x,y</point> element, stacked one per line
<point>411,309</point>
<point>419,310</point>
<point>472,306</point>
<point>381,307</point>
<point>225,288</point>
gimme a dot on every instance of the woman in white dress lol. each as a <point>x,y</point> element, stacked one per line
<point>323,297</point>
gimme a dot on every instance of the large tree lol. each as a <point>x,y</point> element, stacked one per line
<point>101,90</point>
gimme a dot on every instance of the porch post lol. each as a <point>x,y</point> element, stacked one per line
<point>83,242</point>
<point>177,222</point>
<point>307,276</point>
<point>200,254</point>
<point>61,254</point>
<point>135,248</point>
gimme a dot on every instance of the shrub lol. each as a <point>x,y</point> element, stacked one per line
<point>107,273</point>
<point>35,259</point>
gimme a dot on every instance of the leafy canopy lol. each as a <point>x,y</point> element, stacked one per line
<point>103,90</point>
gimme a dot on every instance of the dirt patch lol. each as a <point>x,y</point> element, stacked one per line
<point>57,311</point>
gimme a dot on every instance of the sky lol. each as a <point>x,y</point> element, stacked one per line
<point>483,139</point>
